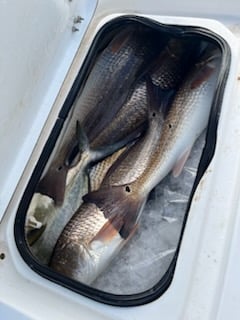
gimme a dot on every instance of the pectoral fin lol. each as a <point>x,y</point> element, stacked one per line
<point>107,232</point>
<point>177,169</point>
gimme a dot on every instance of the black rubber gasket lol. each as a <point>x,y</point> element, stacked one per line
<point>102,37</point>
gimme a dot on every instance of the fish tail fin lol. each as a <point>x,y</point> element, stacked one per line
<point>119,206</point>
<point>53,184</point>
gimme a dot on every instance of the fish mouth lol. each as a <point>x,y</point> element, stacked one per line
<point>87,264</point>
<point>96,258</point>
<point>84,262</point>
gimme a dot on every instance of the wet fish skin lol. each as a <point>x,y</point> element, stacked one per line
<point>173,63</point>
<point>166,71</point>
<point>52,182</point>
<point>104,92</point>
<point>129,122</point>
<point>54,218</point>
<point>185,121</point>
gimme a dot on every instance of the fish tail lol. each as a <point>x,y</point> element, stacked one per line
<point>119,205</point>
<point>53,184</point>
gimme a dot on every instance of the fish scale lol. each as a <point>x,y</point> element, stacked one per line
<point>98,171</point>
<point>130,117</point>
<point>86,219</point>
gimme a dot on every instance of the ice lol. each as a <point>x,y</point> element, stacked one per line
<point>144,260</point>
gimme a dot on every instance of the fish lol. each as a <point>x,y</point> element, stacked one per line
<point>186,120</point>
<point>90,240</point>
<point>175,56</point>
<point>166,72</point>
<point>137,158</point>
<point>105,90</point>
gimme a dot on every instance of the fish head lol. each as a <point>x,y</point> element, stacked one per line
<point>84,261</point>
<point>86,246</point>
<point>73,260</point>
<point>93,259</point>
